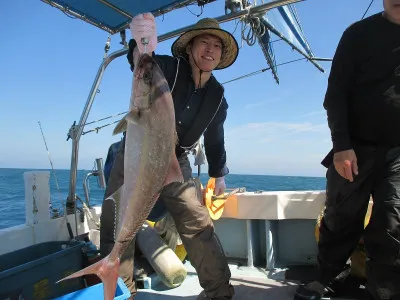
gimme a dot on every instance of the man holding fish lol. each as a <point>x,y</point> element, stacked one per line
<point>200,109</point>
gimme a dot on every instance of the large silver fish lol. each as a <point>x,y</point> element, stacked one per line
<point>150,162</point>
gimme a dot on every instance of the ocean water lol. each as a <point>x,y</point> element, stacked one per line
<point>12,209</point>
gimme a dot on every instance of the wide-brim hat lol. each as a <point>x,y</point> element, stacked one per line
<point>230,48</point>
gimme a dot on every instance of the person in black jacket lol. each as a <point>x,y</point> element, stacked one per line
<point>363,108</point>
<point>200,109</point>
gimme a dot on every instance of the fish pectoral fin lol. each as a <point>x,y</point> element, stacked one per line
<point>121,127</point>
<point>131,116</point>
<point>106,270</point>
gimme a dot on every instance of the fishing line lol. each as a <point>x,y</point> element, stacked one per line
<point>263,70</point>
<point>372,1</point>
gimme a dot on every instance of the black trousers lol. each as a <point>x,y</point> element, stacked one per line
<point>342,225</point>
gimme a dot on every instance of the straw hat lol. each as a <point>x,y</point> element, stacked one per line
<point>209,26</point>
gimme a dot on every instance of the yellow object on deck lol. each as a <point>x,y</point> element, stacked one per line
<point>180,250</point>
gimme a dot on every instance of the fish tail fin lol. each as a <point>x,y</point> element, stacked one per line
<point>106,270</point>
<point>110,286</point>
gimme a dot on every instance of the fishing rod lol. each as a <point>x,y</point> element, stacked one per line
<point>48,154</point>
<point>71,235</point>
<point>276,65</point>
<point>372,1</point>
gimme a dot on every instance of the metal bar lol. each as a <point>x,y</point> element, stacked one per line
<point>107,29</point>
<point>78,129</point>
<point>270,257</point>
<point>295,32</point>
<point>249,233</point>
<point>85,188</point>
<point>321,58</point>
<point>117,9</point>
<point>160,12</point>
<point>260,9</point>
<point>77,15</point>
<point>173,7</point>
<point>265,47</point>
<point>100,173</point>
<point>272,29</point>
<point>71,200</point>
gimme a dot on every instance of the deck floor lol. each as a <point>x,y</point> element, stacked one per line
<point>249,283</point>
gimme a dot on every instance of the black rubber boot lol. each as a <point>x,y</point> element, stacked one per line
<point>311,291</point>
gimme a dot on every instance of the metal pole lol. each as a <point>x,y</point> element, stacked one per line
<point>76,15</point>
<point>117,9</point>
<point>155,13</point>
<point>249,232</point>
<point>272,29</point>
<point>76,130</point>
<point>260,9</point>
<point>270,255</point>
<point>86,190</point>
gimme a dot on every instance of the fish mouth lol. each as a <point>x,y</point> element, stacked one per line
<point>145,59</point>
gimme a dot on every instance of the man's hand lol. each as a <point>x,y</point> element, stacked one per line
<point>219,186</point>
<point>345,163</point>
<point>144,26</point>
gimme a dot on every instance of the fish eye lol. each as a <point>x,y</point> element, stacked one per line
<point>147,76</point>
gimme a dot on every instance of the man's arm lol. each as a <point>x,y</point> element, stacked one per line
<point>166,63</point>
<point>214,143</point>
<point>340,80</point>
<point>132,53</point>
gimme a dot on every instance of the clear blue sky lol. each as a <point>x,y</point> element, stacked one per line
<point>48,63</point>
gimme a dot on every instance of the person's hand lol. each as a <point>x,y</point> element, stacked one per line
<point>345,163</point>
<point>144,26</point>
<point>219,186</point>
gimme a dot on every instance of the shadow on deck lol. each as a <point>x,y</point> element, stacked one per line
<point>256,284</point>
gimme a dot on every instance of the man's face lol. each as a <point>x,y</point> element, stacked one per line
<point>392,10</point>
<point>206,50</point>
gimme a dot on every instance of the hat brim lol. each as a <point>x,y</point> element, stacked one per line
<point>230,46</point>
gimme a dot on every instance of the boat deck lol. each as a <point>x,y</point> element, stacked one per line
<point>250,283</point>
